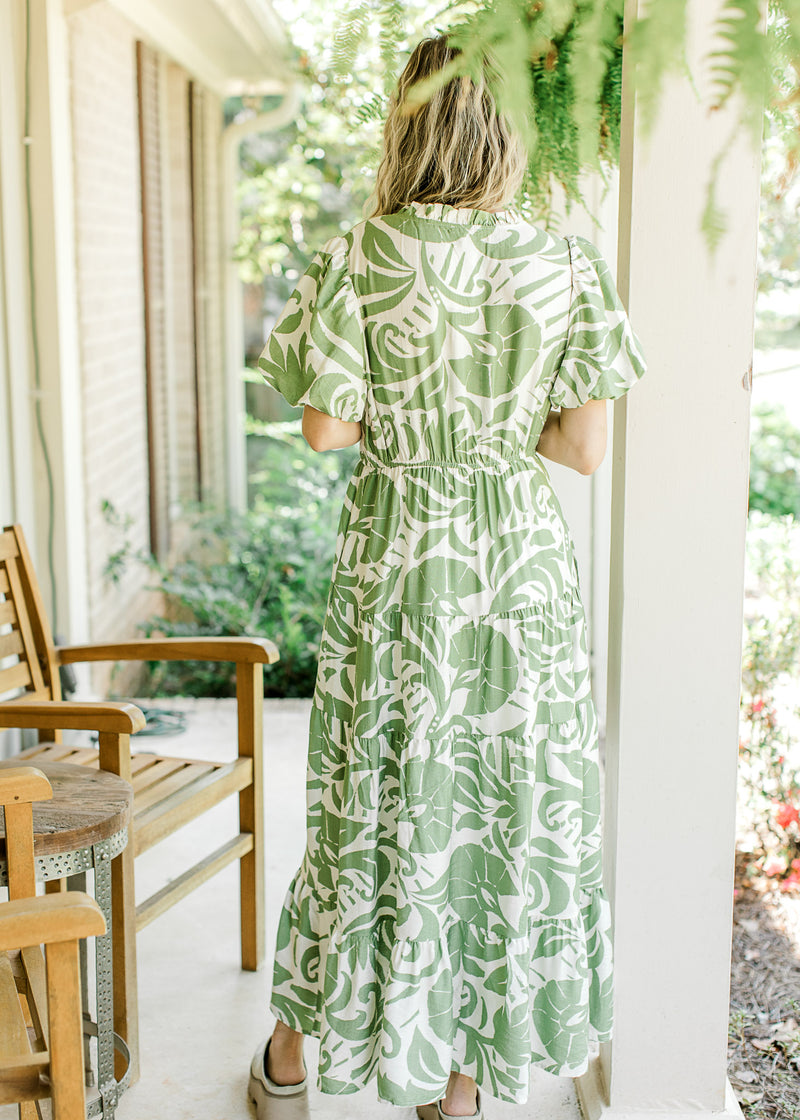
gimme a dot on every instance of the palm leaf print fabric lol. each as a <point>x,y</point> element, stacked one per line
<point>449,911</point>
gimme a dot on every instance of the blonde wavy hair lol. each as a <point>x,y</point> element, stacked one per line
<point>454,148</point>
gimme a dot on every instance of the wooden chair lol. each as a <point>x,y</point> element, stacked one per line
<point>169,792</point>
<point>46,986</point>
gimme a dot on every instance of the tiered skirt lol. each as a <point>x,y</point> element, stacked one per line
<point>449,911</point>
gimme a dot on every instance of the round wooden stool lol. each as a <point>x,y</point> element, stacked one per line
<point>84,827</point>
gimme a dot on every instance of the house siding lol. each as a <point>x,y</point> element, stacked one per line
<point>149,306</point>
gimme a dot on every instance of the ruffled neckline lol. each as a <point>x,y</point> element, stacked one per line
<point>456,215</point>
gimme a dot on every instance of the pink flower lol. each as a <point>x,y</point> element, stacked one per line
<point>774,865</point>
<point>786,814</point>
<point>757,706</point>
<point>791,882</point>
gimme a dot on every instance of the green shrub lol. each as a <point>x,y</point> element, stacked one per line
<point>264,573</point>
<point>774,462</point>
<point>769,775</point>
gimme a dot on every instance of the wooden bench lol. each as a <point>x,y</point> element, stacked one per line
<point>44,1059</point>
<point>169,792</point>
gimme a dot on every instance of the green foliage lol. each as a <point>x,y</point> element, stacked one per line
<point>122,524</point>
<point>657,48</point>
<point>742,61</point>
<point>265,573</point>
<point>713,222</point>
<point>769,779</point>
<point>774,462</point>
<point>311,180</point>
<point>779,246</point>
<point>558,75</point>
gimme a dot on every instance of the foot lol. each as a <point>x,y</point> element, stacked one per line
<point>461,1098</point>
<point>283,1058</point>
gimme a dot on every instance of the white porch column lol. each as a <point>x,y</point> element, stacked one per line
<point>680,463</point>
<point>55,526</point>
<point>17,501</point>
<point>586,502</point>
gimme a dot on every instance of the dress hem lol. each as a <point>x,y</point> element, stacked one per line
<point>332,1087</point>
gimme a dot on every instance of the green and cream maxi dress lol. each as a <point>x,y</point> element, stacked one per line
<point>449,911</point>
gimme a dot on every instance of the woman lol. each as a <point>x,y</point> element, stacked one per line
<point>448,926</point>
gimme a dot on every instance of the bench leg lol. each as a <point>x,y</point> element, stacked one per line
<point>250,703</point>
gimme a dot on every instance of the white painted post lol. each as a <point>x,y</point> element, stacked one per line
<point>57,321</point>
<point>586,502</point>
<point>16,433</point>
<point>678,525</point>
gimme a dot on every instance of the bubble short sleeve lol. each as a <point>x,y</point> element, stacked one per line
<point>315,353</point>
<point>603,358</point>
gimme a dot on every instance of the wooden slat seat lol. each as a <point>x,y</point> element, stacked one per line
<point>168,792</point>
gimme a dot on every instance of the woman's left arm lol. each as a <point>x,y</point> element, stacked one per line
<point>326,433</point>
<point>576,437</point>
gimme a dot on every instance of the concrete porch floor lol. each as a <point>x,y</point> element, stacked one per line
<point>201,1017</point>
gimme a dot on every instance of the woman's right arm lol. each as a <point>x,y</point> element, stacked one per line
<point>576,437</point>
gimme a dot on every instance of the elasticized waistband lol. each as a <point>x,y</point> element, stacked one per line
<point>459,460</point>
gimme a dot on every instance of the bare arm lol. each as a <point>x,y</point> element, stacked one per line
<point>326,433</point>
<point>576,437</point>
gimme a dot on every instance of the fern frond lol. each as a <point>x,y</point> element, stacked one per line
<point>349,39</point>
<point>372,110</point>
<point>597,25</point>
<point>742,61</point>
<point>657,46</point>
<point>713,222</point>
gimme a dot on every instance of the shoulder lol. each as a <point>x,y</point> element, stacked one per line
<point>335,251</point>
<point>585,255</point>
<point>551,248</point>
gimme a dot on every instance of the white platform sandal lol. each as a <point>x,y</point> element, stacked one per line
<point>272,1101</point>
<point>434,1111</point>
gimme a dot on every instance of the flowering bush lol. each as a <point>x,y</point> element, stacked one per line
<point>769,745</point>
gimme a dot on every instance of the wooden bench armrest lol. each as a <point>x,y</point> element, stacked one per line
<point>49,918</point>
<point>117,717</point>
<point>239,650</point>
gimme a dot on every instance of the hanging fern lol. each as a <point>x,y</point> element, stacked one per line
<point>595,48</point>
<point>656,45</point>
<point>742,61</point>
<point>559,75</point>
<point>783,58</point>
<point>350,37</point>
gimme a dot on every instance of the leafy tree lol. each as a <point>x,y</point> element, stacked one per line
<point>311,180</point>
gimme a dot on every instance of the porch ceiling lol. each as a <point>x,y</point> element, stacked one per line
<point>232,46</point>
